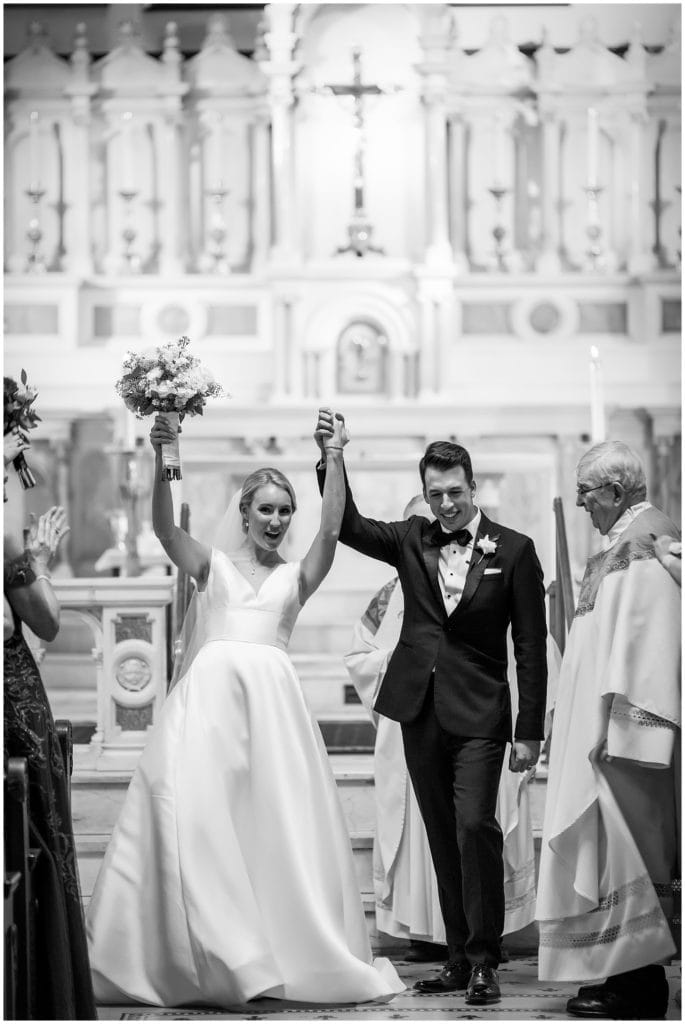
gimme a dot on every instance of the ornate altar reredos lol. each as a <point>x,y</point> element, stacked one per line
<point>423,215</point>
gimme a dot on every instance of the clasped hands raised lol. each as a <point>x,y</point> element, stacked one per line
<point>331,432</point>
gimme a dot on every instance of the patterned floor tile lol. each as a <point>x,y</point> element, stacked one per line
<point>524,998</point>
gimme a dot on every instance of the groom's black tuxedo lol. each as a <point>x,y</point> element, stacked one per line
<point>468,648</point>
<point>447,684</point>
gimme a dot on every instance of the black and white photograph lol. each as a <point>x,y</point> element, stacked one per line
<point>342,511</point>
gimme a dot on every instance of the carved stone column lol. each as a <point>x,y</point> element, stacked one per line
<point>280,69</point>
<point>171,261</point>
<point>639,258</point>
<point>77,159</point>
<point>550,262</point>
<point>261,219</point>
<point>457,212</point>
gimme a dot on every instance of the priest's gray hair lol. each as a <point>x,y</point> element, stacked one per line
<point>611,461</point>
<point>417,507</point>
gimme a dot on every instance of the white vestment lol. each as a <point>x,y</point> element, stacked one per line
<point>599,911</point>
<point>407,903</point>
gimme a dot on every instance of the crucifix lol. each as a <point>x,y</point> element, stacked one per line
<point>359,229</point>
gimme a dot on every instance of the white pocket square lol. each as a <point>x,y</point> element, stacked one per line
<point>492,572</point>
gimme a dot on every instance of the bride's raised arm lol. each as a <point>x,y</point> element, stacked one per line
<point>319,558</point>
<point>185,552</point>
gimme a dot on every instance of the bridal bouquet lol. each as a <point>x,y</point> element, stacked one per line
<point>18,414</point>
<point>167,379</point>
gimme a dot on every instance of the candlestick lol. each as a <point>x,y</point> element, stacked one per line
<point>36,261</point>
<point>597,414</point>
<point>34,152</point>
<point>595,254</point>
<point>592,146</point>
<point>499,231</point>
<point>127,161</point>
<point>213,259</point>
<point>132,262</point>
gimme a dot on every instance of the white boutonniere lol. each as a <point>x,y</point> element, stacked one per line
<point>487,545</point>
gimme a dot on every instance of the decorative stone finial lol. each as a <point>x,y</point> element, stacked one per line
<point>171,56</point>
<point>217,33</point>
<point>37,36</point>
<point>80,57</point>
<point>261,50</point>
<point>588,35</point>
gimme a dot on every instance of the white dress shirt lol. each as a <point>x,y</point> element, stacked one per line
<point>453,566</point>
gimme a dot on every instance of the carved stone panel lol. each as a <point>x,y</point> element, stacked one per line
<point>132,627</point>
<point>362,359</point>
<point>134,719</point>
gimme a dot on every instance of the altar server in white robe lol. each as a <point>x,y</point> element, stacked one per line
<point>609,853</point>
<point>407,902</point>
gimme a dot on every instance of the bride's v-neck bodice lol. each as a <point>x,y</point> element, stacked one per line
<point>233,610</point>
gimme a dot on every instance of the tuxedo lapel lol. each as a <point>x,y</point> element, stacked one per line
<point>431,556</point>
<point>479,563</point>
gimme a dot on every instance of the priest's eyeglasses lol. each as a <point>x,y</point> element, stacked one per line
<point>580,490</point>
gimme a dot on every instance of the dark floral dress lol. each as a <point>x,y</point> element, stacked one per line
<point>63,987</point>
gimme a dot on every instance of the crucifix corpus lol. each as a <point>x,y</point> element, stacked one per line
<point>359,230</point>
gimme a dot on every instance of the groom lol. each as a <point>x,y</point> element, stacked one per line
<point>465,579</point>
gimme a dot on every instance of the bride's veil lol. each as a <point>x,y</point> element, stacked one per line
<point>228,538</point>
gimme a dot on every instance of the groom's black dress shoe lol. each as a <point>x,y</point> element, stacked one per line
<point>454,976</point>
<point>483,986</point>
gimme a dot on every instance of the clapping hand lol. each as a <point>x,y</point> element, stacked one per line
<point>43,536</point>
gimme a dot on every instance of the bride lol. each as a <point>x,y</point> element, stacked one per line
<point>229,875</point>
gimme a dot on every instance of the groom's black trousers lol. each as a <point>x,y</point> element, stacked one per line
<point>456,780</point>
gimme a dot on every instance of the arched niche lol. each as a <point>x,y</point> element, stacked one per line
<point>360,344</point>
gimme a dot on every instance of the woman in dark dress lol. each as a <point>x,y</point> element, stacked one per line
<point>62,983</point>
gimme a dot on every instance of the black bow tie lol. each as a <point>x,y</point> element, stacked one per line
<point>462,537</point>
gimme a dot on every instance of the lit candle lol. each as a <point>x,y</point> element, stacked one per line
<point>34,151</point>
<point>127,160</point>
<point>597,416</point>
<point>592,146</point>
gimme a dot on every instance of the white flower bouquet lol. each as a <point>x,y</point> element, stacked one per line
<point>167,379</point>
<point>18,415</point>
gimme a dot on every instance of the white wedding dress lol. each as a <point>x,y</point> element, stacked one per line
<point>229,874</point>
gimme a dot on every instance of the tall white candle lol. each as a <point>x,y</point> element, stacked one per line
<point>34,151</point>
<point>128,183</point>
<point>592,146</point>
<point>597,413</point>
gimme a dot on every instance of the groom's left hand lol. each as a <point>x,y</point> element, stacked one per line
<point>524,755</point>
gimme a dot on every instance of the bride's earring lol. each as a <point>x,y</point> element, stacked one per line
<point>245,525</point>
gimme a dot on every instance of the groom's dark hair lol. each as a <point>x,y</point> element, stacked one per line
<point>445,455</point>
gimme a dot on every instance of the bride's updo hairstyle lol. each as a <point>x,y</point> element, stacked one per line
<point>260,478</point>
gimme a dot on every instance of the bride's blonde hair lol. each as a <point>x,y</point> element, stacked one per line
<point>260,478</point>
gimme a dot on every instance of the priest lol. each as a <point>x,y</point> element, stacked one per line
<point>610,837</point>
